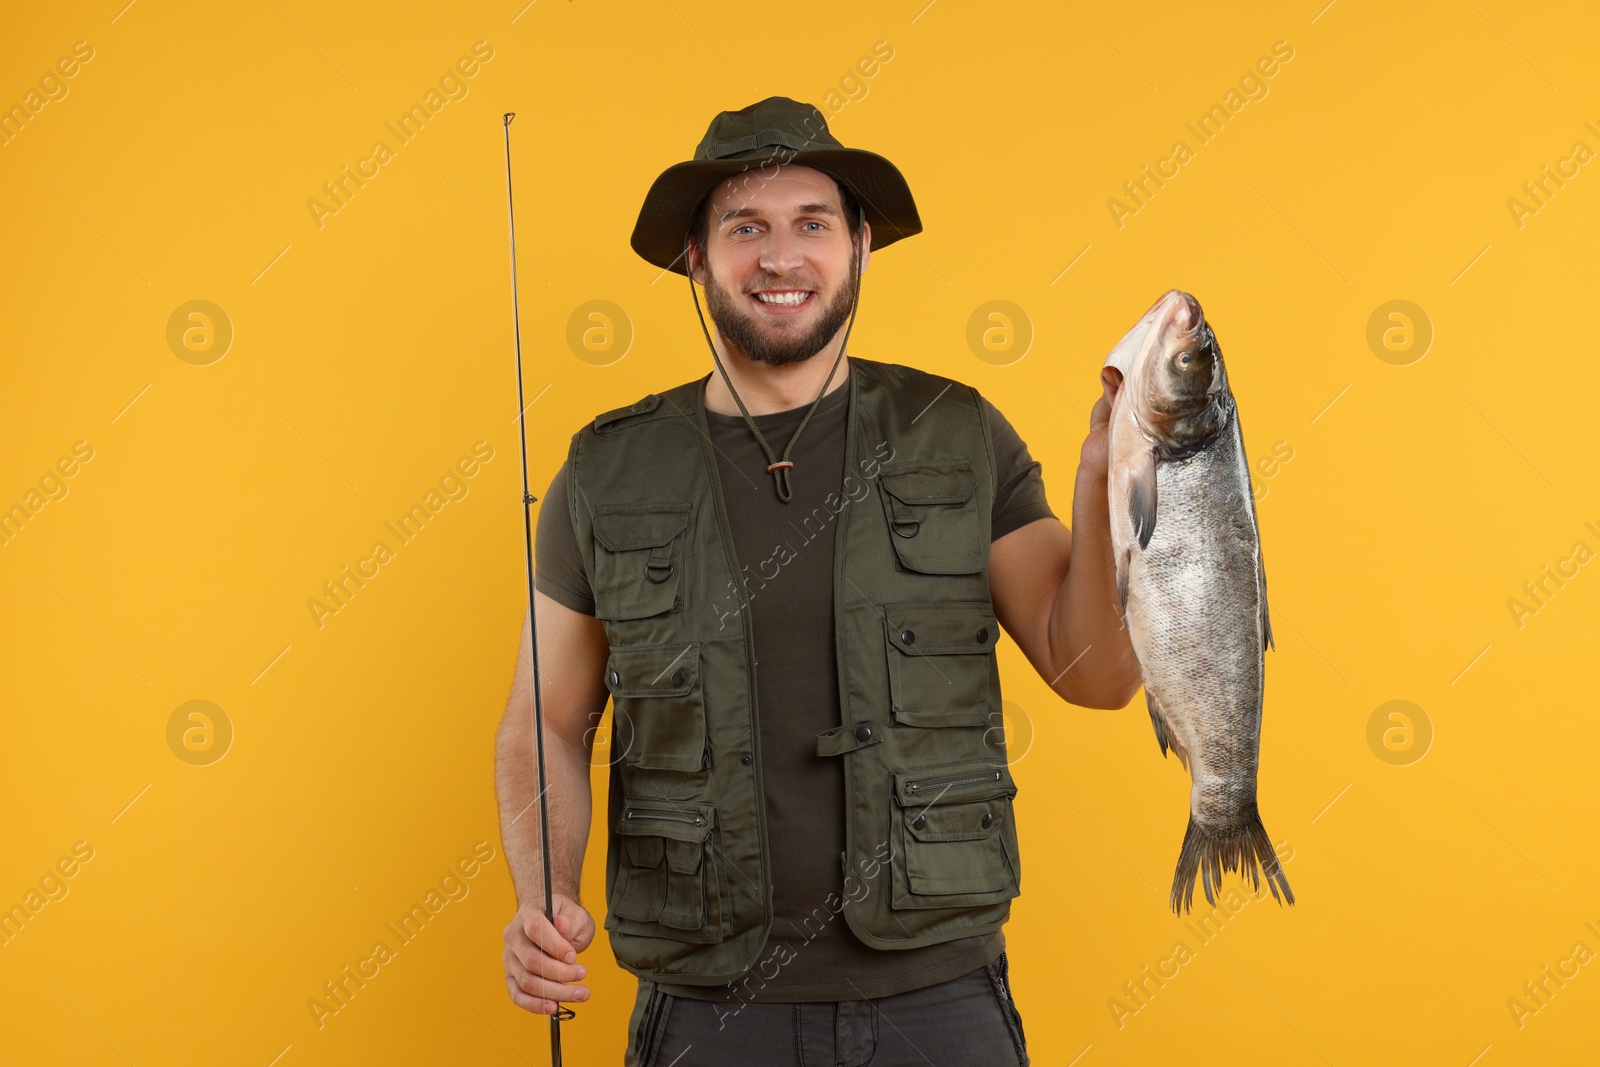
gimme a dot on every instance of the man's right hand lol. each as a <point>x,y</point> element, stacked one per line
<point>541,959</point>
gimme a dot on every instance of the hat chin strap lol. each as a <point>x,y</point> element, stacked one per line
<point>780,466</point>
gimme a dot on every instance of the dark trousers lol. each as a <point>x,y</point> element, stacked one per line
<point>969,1021</point>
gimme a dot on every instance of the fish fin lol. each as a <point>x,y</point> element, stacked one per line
<point>1205,856</point>
<point>1255,522</point>
<point>1122,563</point>
<point>1142,499</point>
<point>1163,738</point>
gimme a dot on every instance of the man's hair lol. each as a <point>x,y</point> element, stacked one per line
<point>700,229</point>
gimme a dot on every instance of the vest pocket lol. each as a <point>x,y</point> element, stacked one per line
<point>934,523</point>
<point>660,717</point>
<point>638,558</point>
<point>954,836</point>
<point>668,879</point>
<point>942,669</point>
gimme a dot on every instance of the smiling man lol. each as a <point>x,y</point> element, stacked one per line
<point>789,576</point>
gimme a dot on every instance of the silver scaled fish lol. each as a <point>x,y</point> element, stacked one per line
<point>1194,591</point>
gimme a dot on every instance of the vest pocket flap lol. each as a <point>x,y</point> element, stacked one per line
<point>969,821</point>
<point>646,851</point>
<point>627,527</point>
<point>654,671</point>
<point>684,856</point>
<point>660,716</point>
<point>948,870</point>
<point>941,629</point>
<point>927,788</point>
<point>931,483</point>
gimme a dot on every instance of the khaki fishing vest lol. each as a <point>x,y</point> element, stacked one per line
<point>930,841</point>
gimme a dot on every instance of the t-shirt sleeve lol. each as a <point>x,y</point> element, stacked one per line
<point>558,565</point>
<point>1019,496</point>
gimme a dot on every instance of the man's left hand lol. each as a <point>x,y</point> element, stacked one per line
<point>1094,459</point>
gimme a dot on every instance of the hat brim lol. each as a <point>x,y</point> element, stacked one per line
<point>669,206</point>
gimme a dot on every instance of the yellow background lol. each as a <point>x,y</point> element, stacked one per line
<point>371,352</point>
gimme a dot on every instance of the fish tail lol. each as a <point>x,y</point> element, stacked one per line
<point>1205,856</point>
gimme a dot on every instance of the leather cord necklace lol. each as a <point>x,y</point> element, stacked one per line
<point>779,467</point>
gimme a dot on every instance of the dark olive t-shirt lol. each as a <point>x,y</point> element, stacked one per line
<point>791,588</point>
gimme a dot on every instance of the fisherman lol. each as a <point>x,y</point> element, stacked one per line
<point>789,577</point>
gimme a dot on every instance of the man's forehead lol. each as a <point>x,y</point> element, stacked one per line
<point>790,183</point>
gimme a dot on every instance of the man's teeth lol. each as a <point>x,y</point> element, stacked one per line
<point>782,298</point>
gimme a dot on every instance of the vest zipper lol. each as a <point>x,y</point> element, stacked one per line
<point>950,781</point>
<point>693,818</point>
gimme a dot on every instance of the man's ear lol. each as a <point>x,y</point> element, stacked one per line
<point>697,260</point>
<point>866,244</point>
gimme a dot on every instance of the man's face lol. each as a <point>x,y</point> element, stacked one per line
<point>778,266</point>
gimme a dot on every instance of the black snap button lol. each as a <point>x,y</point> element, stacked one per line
<point>745,759</point>
<point>919,822</point>
<point>613,679</point>
<point>908,637</point>
<point>678,678</point>
<point>983,635</point>
<point>987,820</point>
<point>863,732</point>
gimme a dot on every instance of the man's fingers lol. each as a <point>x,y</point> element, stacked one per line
<point>575,931</point>
<point>527,958</point>
<point>537,1005</point>
<point>574,923</point>
<point>548,938</point>
<point>543,988</point>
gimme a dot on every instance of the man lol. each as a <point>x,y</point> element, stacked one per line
<point>789,576</point>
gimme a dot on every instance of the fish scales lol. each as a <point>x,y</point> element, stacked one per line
<point>1189,570</point>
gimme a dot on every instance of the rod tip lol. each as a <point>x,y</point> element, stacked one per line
<point>509,116</point>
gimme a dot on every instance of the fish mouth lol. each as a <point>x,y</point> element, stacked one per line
<point>1173,324</point>
<point>1174,312</point>
<point>1180,312</point>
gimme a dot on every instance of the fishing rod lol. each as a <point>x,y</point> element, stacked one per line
<point>561,1012</point>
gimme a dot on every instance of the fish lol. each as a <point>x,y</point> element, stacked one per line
<point>1193,587</point>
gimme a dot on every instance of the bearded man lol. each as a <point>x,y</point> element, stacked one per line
<point>789,576</point>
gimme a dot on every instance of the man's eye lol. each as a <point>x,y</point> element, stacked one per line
<point>746,226</point>
<point>814,222</point>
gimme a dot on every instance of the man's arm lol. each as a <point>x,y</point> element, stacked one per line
<point>1055,589</point>
<point>541,959</point>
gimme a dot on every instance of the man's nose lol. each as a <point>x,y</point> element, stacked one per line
<point>781,251</point>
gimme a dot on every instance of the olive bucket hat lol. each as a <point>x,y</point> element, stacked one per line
<point>766,135</point>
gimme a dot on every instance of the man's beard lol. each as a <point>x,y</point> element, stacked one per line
<point>739,327</point>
